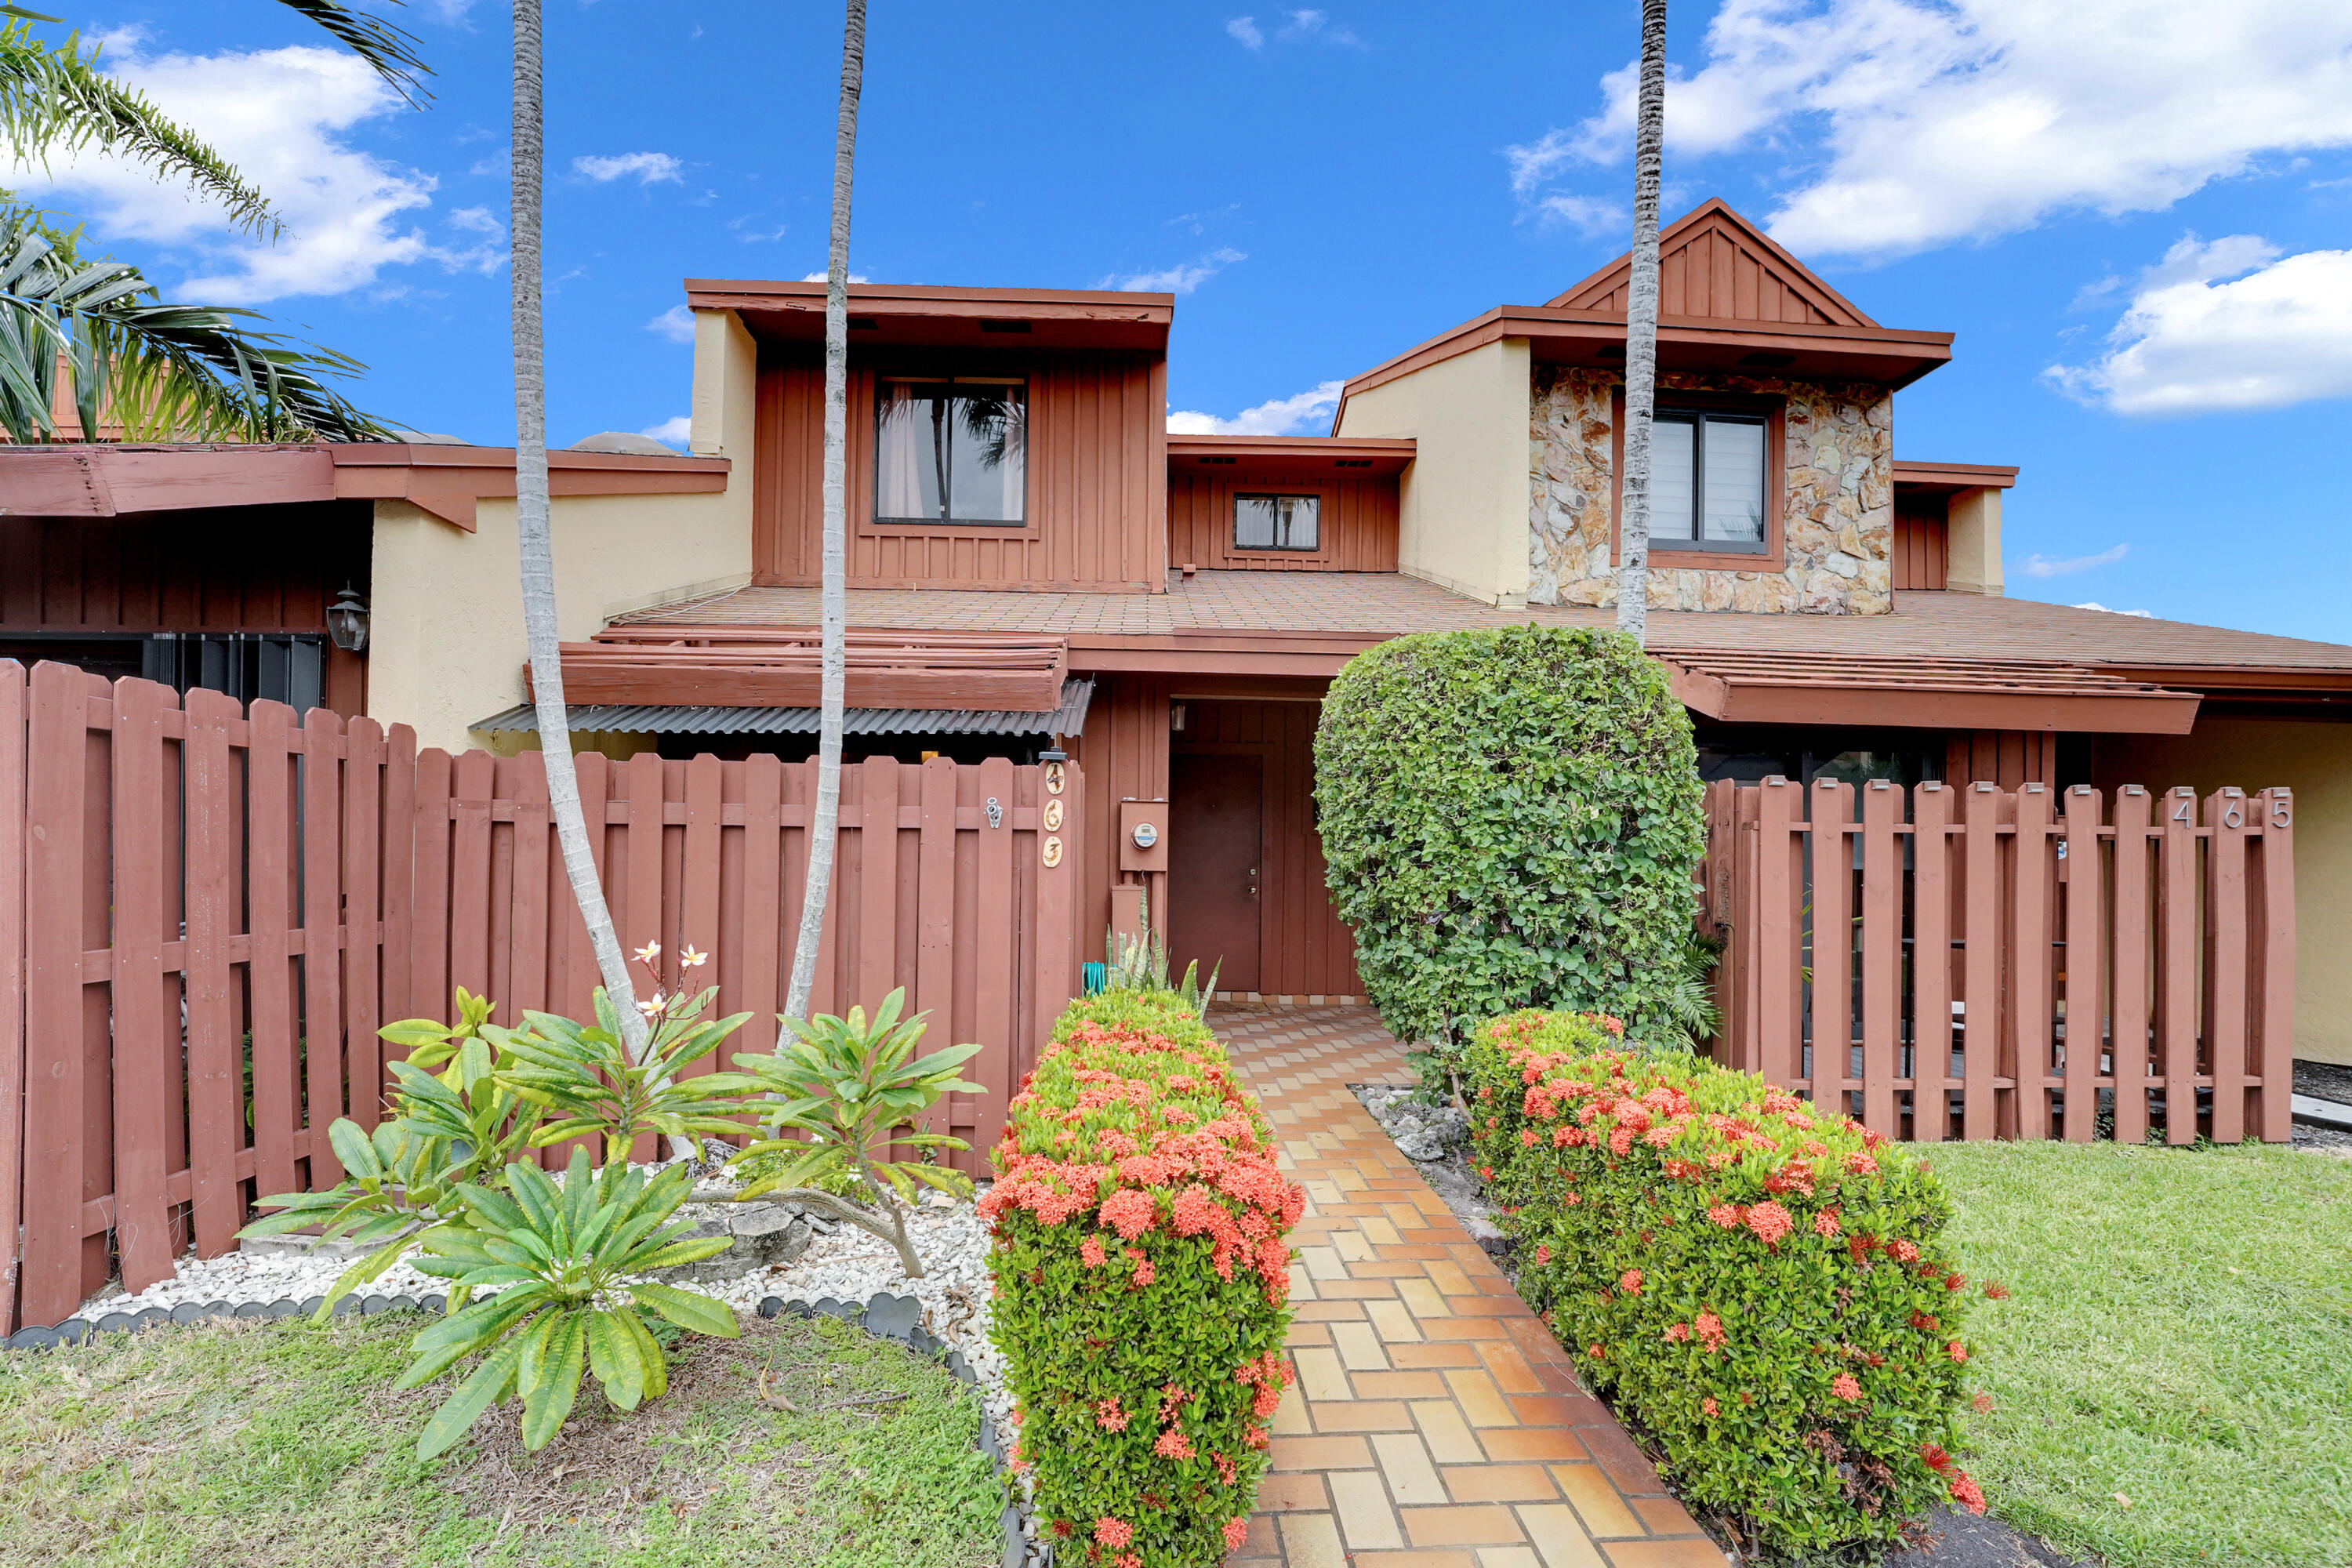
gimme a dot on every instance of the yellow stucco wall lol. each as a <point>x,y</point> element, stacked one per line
<point>446,645</point>
<point>1463,505</point>
<point>2315,760</point>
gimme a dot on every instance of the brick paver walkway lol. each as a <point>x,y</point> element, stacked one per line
<point>1435,1422</point>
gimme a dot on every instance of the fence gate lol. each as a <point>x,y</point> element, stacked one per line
<point>1959,961</point>
<point>208,911</point>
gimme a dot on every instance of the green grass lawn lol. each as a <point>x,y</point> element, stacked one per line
<point>2180,1333</point>
<point>281,1446</point>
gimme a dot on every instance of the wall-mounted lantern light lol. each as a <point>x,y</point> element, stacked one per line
<point>347,621</point>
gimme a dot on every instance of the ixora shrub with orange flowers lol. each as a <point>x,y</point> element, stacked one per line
<point>1761,1288</point>
<point>1143,1277</point>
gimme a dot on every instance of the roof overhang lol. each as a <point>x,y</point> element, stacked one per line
<point>1894,357</point>
<point>1304,456</point>
<point>887,314</point>
<point>656,718</point>
<point>112,480</point>
<point>1949,478</point>
<point>1774,687</point>
<point>764,667</point>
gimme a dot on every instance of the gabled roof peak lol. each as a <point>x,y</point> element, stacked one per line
<point>1713,264</point>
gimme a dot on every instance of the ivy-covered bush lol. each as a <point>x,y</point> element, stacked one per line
<point>1511,818</point>
<point>1764,1290</point>
<point>1142,1281</point>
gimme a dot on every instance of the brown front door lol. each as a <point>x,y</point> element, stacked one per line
<point>1215,830</point>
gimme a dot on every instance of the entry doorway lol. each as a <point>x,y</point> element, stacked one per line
<point>1215,868</point>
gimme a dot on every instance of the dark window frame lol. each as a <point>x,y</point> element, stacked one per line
<point>1774,410</point>
<point>1237,497</point>
<point>1699,418</point>
<point>883,380</point>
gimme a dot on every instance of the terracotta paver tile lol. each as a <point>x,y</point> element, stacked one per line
<point>1347,1179</point>
<point>1447,1275</point>
<point>1353,1245</point>
<point>1558,1536</point>
<point>1428,1355</point>
<point>1353,1289</point>
<point>1405,1216</point>
<point>1362,1504</point>
<point>1322,1263</point>
<point>1393,1322</point>
<point>1300,1333</point>
<point>1665,1516</point>
<point>1499,1483</point>
<point>1413,1480</point>
<point>1422,1299</point>
<point>1544,1443</point>
<point>1292,1493</point>
<point>1474,1524</point>
<point>1359,1347</point>
<point>1320,1376</point>
<point>1448,1436</point>
<point>1361,1415</point>
<point>1443,1557</point>
<point>1508,1557</point>
<point>1340,1453</point>
<point>1399,1385</point>
<point>1385,1268</point>
<point>1302,1288</point>
<point>1549,1409</point>
<point>1627,1466</point>
<point>1475,1392</point>
<point>1465,1328</point>
<point>1414,1251</point>
<point>1382,1233</point>
<point>1510,1369</point>
<point>1684,1551</point>
<point>1326,1312</point>
<point>1310,1541</point>
<point>1597,1503</point>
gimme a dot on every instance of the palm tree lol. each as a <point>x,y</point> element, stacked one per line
<point>834,614</point>
<point>1642,331</point>
<point>537,548</point>
<point>183,372</point>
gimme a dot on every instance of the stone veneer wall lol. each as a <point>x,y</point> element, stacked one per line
<point>1837,510</point>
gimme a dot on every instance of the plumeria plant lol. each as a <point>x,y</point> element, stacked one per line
<point>568,1265</point>
<point>840,1094</point>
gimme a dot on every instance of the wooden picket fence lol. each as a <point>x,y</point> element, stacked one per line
<point>207,914</point>
<point>1959,961</point>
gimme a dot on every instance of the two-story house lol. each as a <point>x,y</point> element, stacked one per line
<point>1035,563</point>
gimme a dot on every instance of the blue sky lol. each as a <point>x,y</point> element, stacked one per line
<point>2135,214</point>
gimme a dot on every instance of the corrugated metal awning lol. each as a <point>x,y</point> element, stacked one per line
<point>1070,719</point>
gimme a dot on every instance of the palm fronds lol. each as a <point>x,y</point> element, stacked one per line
<point>54,99</point>
<point>391,50</point>
<point>185,372</point>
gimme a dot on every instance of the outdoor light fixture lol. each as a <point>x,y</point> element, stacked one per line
<point>347,621</point>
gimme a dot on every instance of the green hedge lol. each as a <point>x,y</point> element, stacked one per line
<point>1765,1290</point>
<point>1141,1284</point>
<point>1511,818</point>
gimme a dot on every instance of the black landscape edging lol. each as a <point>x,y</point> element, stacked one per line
<point>882,1315</point>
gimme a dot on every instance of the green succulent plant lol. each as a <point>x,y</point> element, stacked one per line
<point>567,1263</point>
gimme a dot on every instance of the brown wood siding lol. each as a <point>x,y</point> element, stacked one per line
<point>1098,488</point>
<point>258,569</point>
<point>1922,548</point>
<point>1712,275</point>
<point>2009,758</point>
<point>1124,753</point>
<point>1357,525</point>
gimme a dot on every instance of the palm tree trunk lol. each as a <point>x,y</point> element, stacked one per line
<point>537,549</point>
<point>1642,331</point>
<point>825,827</point>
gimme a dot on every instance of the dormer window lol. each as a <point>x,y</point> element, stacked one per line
<point>1706,480</point>
<point>951,450</point>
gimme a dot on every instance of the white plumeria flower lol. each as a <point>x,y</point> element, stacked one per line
<point>692,959</point>
<point>648,952</point>
<point>652,1005</point>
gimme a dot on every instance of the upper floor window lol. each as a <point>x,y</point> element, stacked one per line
<point>951,450</point>
<point>1706,480</point>
<point>1278,523</point>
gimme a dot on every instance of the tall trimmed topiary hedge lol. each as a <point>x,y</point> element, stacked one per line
<point>1511,818</point>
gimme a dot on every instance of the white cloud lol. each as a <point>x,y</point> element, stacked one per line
<point>1179,279</point>
<point>646,168</point>
<point>281,116</point>
<point>2198,336</point>
<point>2143,614</point>
<point>676,324</point>
<point>1318,28</point>
<point>1282,417</point>
<point>1945,120</point>
<point>2042,566</point>
<point>673,430</point>
<point>819,277</point>
<point>1589,215</point>
<point>1244,31</point>
<point>753,229</point>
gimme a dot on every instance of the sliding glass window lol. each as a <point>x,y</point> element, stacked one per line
<point>1706,480</point>
<point>1276,523</point>
<point>951,450</point>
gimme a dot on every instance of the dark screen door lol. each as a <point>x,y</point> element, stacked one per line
<point>1216,808</point>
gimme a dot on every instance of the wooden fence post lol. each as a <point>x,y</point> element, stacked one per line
<point>1931,961</point>
<point>13,997</point>
<point>146,1073</point>
<point>2176,908</point>
<point>2134,927</point>
<point>2030,973</point>
<point>216,1071</point>
<point>1778,1035</point>
<point>2225,990</point>
<point>2277,981</point>
<point>2086,1012</point>
<point>57,851</point>
<point>321,842</point>
<point>1829,803</point>
<point>1882,955</point>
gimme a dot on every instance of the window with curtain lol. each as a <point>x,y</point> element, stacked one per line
<point>951,450</point>
<point>1276,523</point>
<point>1706,480</point>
